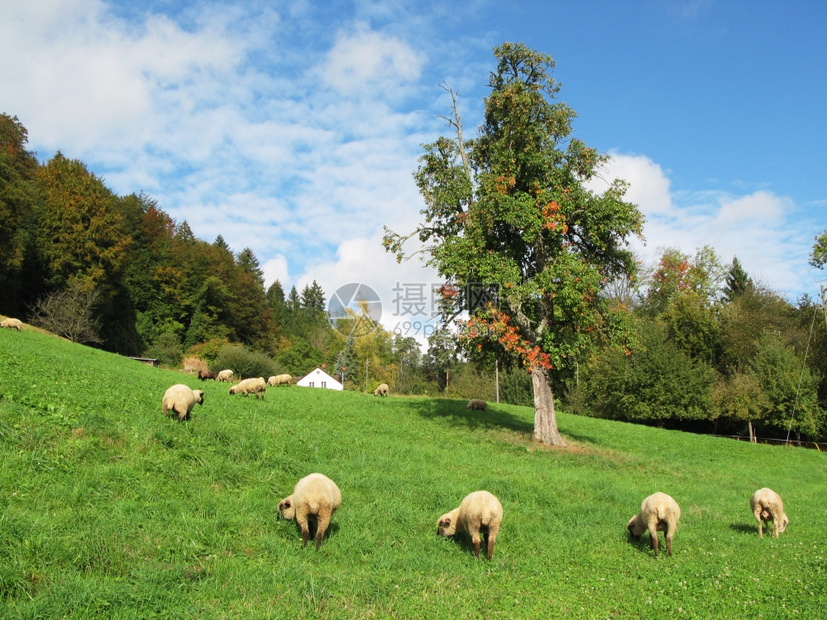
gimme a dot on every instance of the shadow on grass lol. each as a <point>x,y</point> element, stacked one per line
<point>463,541</point>
<point>455,411</point>
<point>743,528</point>
<point>329,534</point>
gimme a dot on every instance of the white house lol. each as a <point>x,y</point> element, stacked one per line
<point>319,379</point>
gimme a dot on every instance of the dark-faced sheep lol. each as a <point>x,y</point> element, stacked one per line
<point>277,380</point>
<point>181,399</point>
<point>477,405</point>
<point>382,390</point>
<point>479,513</point>
<point>767,506</point>
<point>207,374</point>
<point>658,513</point>
<point>225,375</point>
<point>12,324</point>
<point>314,500</point>
<point>255,386</point>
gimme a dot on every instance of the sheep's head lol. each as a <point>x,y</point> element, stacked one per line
<point>286,509</point>
<point>636,527</point>
<point>199,396</point>
<point>446,525</point>
<point>232,390</point>
<point>784,523</point>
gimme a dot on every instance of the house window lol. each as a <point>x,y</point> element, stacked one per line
<point>312,384</point>
<point>324,384</point>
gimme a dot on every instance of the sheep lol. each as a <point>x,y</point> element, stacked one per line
<point>314,500</point>
<point>255,386</point>
<point>225,375</point>
<point>478,405</point>
<point>658,513</point>
<point>277,380</point>
<point>479,512</point>
<point>12,324</point>
<point>207,374</point>
<point>382,390</point>
<point>767,506</point>
<point>181,399</point>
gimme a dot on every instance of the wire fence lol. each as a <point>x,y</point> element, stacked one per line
<point>812,445</point>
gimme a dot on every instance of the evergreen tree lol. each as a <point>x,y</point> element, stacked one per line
<point>221,245</point>
<point>737,281</point>
<point>248,262</point>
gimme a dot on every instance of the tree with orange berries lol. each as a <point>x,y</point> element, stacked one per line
<point>524,242</point>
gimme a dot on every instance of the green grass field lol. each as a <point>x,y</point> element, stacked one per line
<point>110,510</point>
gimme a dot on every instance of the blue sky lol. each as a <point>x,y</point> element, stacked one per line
<point>293,128</point>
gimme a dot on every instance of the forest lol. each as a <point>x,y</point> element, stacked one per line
<point>710,351</point>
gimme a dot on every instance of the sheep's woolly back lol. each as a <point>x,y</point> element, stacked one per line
<point>315,498</point>
<point>12,324</point>
<point>480,512</point>
<point>181,399</point>
<point>255,386</point>
<point>767,506</point>
<point>477,405</point>
<point>658,512</point>
<point>225,375</point>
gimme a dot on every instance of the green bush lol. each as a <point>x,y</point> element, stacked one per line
<point>658,384</point>
<point>244,362</point>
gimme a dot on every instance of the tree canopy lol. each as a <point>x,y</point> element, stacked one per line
<point>511,222</point>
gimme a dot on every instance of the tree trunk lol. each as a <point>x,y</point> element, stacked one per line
<point>752,438</point>
<point>545,420</point>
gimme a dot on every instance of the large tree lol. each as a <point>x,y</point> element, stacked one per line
<point>511,212</point>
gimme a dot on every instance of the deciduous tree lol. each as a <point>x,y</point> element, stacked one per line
<point>511,209</point>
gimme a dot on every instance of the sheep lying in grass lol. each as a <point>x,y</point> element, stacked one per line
<point>277,380</point>
<point>255,386</point>
<point>479,513</point>
<point>477,405</point>
<point>181,399</point>
<point>767,506</point>
<point>382,390</point>
<point>658,513</point>
<point>12,324</point>
<point>314,500</point>
<point>225,375</point>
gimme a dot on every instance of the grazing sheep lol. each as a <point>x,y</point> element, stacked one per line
<point>479,512</point>
<point>277,380</point>
<point>12,324</point>
<point>207,374</point>
<point>767,506</point>
<point>181,399</point>
<point>478,405</point>
<point>225,375</point>
<point>658,513</point>
<point>255,386</point>
<point>314,500</point>
<point>382,390</point>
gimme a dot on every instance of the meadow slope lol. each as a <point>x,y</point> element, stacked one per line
<point>110,510</point>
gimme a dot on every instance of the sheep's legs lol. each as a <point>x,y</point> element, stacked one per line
<point>653,534</point>
<point>490,539</point>
<point>757,515</point>
<point>321,527</point>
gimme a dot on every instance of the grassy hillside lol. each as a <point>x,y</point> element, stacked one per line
<point>108,509</point>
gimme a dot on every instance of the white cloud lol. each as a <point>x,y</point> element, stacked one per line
<point>364,59</point>
<point>752,227</point>
<point>365,261</point>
